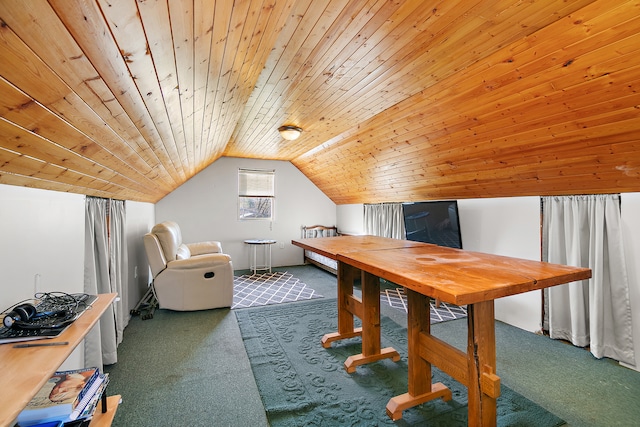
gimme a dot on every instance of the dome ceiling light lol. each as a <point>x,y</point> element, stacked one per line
<point>290,132</point>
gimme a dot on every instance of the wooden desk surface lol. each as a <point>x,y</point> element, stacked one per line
<point>458,276</point>
<point>26,370</point>
<point>332,246</point>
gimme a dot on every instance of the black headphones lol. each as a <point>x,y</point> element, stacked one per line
<point>26,316</point>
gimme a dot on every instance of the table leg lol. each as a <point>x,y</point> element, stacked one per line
<point>346,309</point>
<point>371,344</point>
<point>475,369</point>
<point>484,384</point>
<point>420,389</point>
<point>268,263</point>
<point>367,309</point>
<point>254,266</point>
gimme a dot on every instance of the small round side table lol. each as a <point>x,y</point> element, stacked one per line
<point>266,256</point>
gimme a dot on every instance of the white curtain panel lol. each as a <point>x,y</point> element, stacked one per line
<point>96,270</point>
<point>384,219</point>
<point>118,265</point>
<point>104,272</point>
<point>585,231</point>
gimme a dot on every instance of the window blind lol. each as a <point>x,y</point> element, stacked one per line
<point>256,183</point>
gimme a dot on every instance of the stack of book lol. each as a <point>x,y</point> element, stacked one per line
<point>69,398</point>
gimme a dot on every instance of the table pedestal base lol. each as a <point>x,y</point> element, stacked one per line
<point>368,310</point>
<point>474,368</point>
<point>327,339</point>
<point>397,404</point>
<point>356,360</point>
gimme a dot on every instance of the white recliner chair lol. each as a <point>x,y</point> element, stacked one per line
<point>195,276</point>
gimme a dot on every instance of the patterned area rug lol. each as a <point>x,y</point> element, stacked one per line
<point>303,384</point>
<point>397,298</point>
<point>269,288</point>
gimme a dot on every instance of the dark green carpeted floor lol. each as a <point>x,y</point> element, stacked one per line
<point>191,368</point>
<point>303,384</point>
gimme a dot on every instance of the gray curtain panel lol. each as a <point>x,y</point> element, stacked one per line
<point>384,219</point>
<point>585,231</point>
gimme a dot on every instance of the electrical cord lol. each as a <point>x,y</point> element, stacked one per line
<point>49,310</point>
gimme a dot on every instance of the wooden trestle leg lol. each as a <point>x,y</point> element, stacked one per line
<point>484,385</point>
<point>346,278</point>
<point>420,388</point>
<point>368,310</point>
<point>475,369</point>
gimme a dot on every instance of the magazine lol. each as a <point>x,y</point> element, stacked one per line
<point>59,397</point>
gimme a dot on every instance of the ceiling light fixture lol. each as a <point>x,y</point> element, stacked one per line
<point>290,132</point>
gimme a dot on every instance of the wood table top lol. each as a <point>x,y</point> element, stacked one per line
<point>459,276</point>
<point>332,246</point>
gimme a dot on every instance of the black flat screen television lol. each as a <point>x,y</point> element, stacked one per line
<point>434,222</point>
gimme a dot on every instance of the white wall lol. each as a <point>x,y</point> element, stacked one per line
<point>509,227</point>
<point>140,219</point>
<point>205,207</point>
<point>42,243</point>
<point>42,247</point>
<point>350,218</point>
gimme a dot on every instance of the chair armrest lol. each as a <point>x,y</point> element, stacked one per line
<point>202,248</point>
<point>199,261</point>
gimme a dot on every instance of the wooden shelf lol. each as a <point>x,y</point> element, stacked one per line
<point>105,419</point>
<point>26,370</point>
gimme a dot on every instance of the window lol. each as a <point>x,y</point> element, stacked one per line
<point>256,194</point>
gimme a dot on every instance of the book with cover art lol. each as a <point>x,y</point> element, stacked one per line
<point>60,395</point>
<point>90,408</point>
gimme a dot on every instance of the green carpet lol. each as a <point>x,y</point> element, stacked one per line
<point>303,384</point>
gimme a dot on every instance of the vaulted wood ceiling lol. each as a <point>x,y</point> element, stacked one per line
<point>399,100</point>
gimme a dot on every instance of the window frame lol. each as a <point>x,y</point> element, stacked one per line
<point>256,193</point>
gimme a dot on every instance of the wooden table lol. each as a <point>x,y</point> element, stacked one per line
<point>457,277</point>
<point>366,308</point>
<point>26,370</point>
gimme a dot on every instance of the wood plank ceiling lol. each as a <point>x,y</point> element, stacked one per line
<point>399,100</point>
